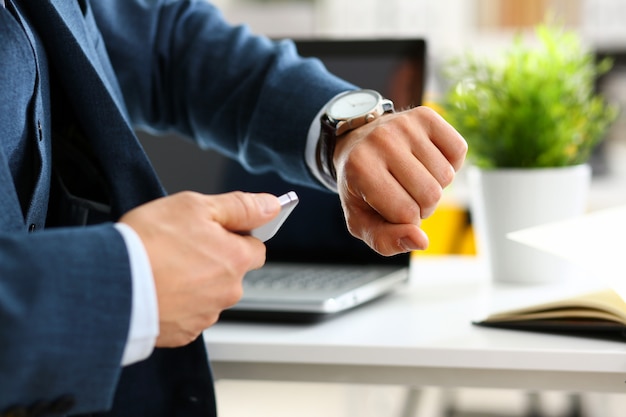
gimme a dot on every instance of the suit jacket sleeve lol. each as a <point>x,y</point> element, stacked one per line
<point>49,281</point>
<point>182,67</point>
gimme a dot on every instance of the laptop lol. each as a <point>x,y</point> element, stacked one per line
<point>315,269</point>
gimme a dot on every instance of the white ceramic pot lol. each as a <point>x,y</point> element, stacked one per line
<point>506,200</point>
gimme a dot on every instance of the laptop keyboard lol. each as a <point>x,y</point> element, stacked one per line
<point>304,278</point>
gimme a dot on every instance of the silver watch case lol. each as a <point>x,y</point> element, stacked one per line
<point>343,125</point>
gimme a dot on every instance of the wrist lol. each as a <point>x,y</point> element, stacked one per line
<point>325,152</point>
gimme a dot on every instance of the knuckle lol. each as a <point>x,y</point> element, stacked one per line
<point>426,111</point>
<point>425,115</point>
<point>381,134</point>
<point>432,193</point>
<point>233,295</point>
<point>462,148</point>
<point>191,201</point>
<point>208,320</point>
<point>234,271</point>
<point>408,213</point>
<point>447,176</point>
<point>240,196</point>
<point>351,163</point>
<point>355,171</point>
<point>243,260</point>
<point>244,200</point>
<point>459,152</point>
<point>190,197</point>
<point>212,320</point>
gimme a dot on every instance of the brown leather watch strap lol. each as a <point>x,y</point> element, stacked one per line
<point>326,148</point>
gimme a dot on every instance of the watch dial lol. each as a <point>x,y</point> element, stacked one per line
<point>353,104</point>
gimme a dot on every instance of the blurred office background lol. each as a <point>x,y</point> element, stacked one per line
<point>450,27</point>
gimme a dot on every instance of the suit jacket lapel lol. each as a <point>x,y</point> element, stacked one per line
<point>74,21</point>
<point>96,102</point>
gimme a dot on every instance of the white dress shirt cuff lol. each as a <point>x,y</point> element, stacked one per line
<point>144,316</point>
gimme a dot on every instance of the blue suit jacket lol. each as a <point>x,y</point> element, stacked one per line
<point>114,66</point>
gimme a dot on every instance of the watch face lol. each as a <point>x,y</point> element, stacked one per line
<point>353,104</point>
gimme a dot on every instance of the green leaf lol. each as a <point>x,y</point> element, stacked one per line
<point>531,106</point>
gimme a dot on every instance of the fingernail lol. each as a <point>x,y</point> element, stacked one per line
<point>427,213</point>
<point>408,245</point>
<point>268,203</point>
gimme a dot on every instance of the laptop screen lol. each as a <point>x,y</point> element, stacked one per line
<point>393,67</point>
<point>316,230</point>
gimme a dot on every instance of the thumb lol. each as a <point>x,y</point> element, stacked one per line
<point>239,211</point>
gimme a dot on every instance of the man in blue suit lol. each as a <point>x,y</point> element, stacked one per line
<point>106,283</point>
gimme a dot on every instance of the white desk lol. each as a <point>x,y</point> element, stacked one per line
<point>423,336</point>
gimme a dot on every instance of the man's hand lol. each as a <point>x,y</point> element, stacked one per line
<point>198,260</point>
<point>391,174</point>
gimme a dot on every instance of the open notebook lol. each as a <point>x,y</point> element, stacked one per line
<point>314,267</point>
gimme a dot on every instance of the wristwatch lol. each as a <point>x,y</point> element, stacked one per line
<point>346,112</point>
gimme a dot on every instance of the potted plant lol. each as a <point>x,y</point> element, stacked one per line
<point>532,117</point>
